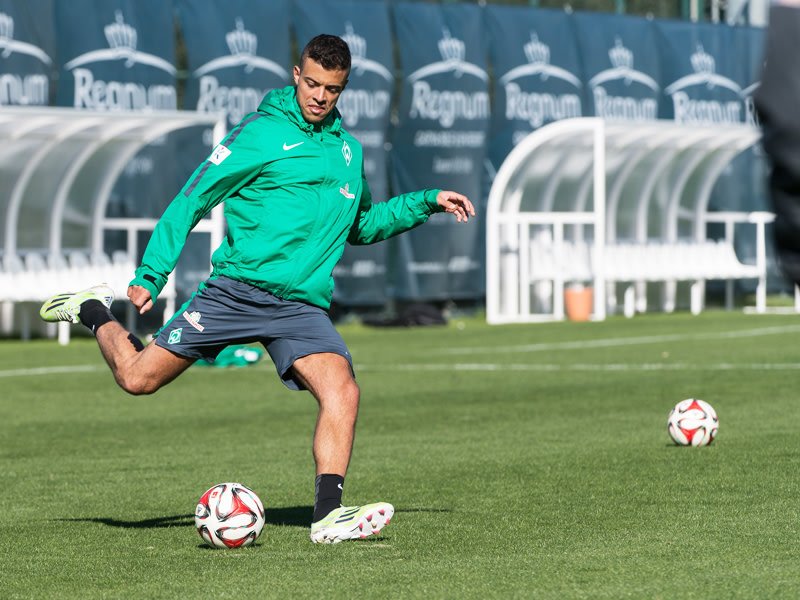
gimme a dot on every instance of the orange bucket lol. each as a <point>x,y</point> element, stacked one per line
<point>578,302</point>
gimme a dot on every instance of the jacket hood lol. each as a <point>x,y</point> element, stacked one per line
<point>284,101</point>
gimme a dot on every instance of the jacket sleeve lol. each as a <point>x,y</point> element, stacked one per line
<point>231,165</point>
<point>378,222</point>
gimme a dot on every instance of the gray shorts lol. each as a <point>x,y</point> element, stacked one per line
<point>224,312</point>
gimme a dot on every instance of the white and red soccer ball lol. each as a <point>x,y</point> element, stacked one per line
<point>693,422</point>
<point>229,515</point>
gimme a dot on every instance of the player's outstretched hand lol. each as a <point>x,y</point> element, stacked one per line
<point>141,298</point>
<point>457,204</point>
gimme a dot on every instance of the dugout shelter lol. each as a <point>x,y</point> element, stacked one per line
<point>58,167</point>
<point>617,207</point>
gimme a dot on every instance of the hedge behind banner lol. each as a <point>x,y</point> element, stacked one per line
<point>439,94</point>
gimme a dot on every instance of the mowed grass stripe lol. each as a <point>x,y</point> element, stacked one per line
<point>62,370</point>
<point>79,369</point>
<point>579,367</point>
<point>543,347</point>
<point>631,341</point>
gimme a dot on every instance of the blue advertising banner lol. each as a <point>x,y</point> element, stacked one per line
<point>705,84</point>
<point>236,51</point>
<point>748,46</point>
<point>440,141</point>
<point>116,54</point>
<point>27,52</point>
<point>622,68</point>
<point>436,130</point>
<point>119,55</point>
<point>365,106</point>
<point>538,73</point>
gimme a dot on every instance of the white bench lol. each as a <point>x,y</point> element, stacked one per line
<point>695,261</point>
<point>33,277</point>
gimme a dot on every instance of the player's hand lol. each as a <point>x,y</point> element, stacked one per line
<point>140,297</point>
<point>457,204</point>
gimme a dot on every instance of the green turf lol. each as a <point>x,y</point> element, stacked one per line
<point>523,461</point>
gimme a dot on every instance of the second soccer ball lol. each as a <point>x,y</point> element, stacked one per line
<point>693,422</point>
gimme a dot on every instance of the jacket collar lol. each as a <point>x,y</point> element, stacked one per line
<point>285,101</point>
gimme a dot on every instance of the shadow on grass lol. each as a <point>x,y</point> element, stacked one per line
<point>155,523</point>
<point>293,516</point>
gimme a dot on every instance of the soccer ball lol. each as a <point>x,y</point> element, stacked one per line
<point>229,515</point>
<point>692,422</point>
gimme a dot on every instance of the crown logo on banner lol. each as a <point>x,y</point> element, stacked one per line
<point>621,57</point>
<point>536,51</point>
<point>451,49</point>
<point>120,35</point>
<point>702,62</point>
<point>357,43</point>
<point>6,27</point>
<point>240,41</point>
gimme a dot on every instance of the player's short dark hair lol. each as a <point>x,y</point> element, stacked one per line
<point>330,51</point>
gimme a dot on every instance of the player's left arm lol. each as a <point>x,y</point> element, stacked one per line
<point>377,222</point>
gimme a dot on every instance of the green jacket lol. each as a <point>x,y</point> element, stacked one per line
<point>294,193</point>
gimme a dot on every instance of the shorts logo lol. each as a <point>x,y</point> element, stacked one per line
<point>175,336</point>
<point>219,154</point>
<point>193,318</point>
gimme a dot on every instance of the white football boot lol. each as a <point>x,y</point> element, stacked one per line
<point>351,523</point>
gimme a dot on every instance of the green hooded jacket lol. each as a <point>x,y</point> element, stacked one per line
<point>294,193</point>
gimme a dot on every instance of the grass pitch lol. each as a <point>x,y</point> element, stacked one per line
<point>523,462</point>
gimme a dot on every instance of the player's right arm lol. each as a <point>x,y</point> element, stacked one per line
<point>231,165</point>
<point>140,298</point>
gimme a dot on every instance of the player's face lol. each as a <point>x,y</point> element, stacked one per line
<point>317,89</point>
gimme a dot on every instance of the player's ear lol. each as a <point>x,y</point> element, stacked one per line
<point>296,73</point>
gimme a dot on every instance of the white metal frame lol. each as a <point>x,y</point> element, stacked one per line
<point>508,229</point>
<point>663,166</point>
<point>105,140</point>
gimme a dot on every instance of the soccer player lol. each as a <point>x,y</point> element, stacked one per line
<point>777,100</point>
<point>294,190</point>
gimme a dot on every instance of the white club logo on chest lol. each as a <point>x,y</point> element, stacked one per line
<point>347,153</point>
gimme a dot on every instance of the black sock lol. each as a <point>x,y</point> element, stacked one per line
<point>94,313</point>
<point>328,495</point>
